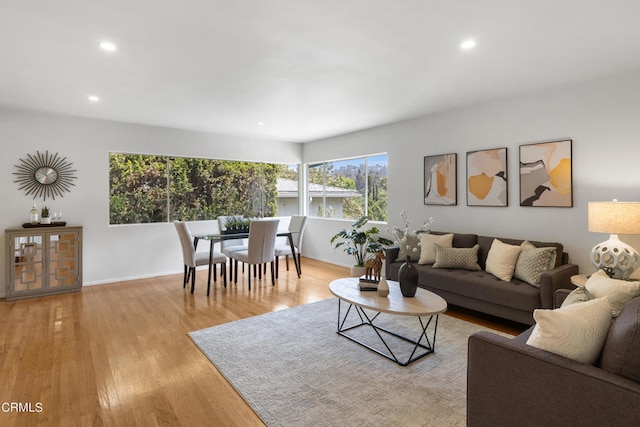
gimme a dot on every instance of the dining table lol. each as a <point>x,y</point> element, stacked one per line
<point>214,238</point>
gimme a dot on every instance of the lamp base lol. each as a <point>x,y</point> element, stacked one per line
<point>617,256</point>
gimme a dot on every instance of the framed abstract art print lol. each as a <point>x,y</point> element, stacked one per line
<point>545,174</point>
<point>440,175</point>
<point>487,177</point>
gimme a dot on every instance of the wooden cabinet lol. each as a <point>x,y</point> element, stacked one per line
<point>43,261</point>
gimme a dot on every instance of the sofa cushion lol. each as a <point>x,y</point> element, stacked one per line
<point>482,286</point>
<point>621,352</point>
<point>427,249</point>
<point>501,261</point>
<point>620,292</point>
<point>462,258</point>
<point>532,262</point>
<point>577,331</point>
<point>461,240</point>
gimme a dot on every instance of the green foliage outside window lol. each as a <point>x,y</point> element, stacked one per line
<point>146,189</point>
<point>370,181</point>
<point>138,188</point>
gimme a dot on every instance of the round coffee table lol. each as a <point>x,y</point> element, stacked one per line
<point>423,304</point>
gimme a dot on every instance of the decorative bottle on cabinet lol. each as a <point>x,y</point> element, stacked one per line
<point>408,279</point>
<point>33,215</point>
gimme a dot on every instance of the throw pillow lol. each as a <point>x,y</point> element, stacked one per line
<point>409,243</point>
<point>463,258</point>
<point>579,294</point>
<point>577,331</point>
<point>552,262</point>
<point>619,292</point>
<point>532,262</point>
<point>501,260</point>
<point>427,249</point>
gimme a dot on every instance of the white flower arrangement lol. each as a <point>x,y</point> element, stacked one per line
<point>408,239</point>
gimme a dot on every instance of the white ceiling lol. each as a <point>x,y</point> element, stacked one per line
<point>308,69</point>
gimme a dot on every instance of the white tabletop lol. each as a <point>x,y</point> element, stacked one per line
<point>424,303</point>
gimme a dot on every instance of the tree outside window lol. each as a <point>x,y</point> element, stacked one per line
<point>349,188</point>
<point>146,189</point>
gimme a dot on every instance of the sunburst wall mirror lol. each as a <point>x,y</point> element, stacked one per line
<point>45,175</point>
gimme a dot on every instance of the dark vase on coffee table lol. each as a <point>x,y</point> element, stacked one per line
<point>408,279</point>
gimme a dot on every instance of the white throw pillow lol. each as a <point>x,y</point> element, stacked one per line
<point>501,260</point>
<point>427,248</point>
<point>577,331</point>
<point>620,292</point>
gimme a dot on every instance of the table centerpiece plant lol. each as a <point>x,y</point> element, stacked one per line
<point>236,224</point>
<point>360,243</point>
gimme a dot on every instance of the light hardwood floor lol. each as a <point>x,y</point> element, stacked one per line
<point>119,355</point>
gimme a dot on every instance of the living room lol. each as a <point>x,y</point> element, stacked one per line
<point>598,112</point>
<point>599,116</point>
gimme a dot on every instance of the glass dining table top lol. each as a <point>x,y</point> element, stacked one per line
<point>232,236</point>
<point>218,237</point>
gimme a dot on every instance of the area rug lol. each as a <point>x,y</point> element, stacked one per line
<point>294,370</point>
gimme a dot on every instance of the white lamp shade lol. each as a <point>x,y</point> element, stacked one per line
<point>614,217</point>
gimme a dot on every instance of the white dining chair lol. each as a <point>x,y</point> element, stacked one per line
<point>296,228</point>
<point>229,247</point>
<point>193,258</point>
<point>261,249</point>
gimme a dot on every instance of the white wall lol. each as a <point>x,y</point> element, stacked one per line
<point>112,253</point>
<point>601,117</point>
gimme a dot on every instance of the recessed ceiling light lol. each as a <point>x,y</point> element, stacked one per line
<point>468,44</point>
<point>108,46</point>
<point>93,98</point>
<point>260,123</point>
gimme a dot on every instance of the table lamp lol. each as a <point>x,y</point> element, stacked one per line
<point>613,256</point>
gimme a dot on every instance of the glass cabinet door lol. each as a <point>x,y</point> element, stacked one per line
<point>63,250</point>
<point>29,263</point>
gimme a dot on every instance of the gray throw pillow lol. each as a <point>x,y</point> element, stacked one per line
<point>462,258</point>
<point>579,294</point>
<point>532,262</point>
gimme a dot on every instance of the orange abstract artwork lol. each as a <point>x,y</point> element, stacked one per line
<point>440,180</point>
<point>487,177</point>
<point>545,174</point>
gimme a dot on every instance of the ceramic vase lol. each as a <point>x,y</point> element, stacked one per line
<point>408,279</point>
<point>357,271</point>
<point>383,287</point>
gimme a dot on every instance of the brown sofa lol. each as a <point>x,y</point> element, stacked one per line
<point>512,383</point>
<point>483,292</point>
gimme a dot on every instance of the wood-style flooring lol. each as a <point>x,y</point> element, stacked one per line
<point>119,355</point>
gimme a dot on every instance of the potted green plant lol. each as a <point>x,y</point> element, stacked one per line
<point>44,216</point>
<point>360,243</point>
<point>236,224</point>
